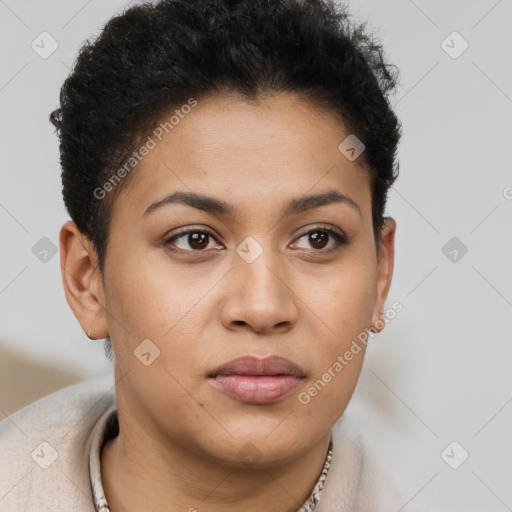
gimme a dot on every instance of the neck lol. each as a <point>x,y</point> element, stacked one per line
<point>136,474</point>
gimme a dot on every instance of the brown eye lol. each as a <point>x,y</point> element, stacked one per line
<point>319,238</point>
<point>195,240</point>
<point>198,241</point>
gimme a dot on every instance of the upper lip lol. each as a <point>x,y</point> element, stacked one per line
<point>249,365</point>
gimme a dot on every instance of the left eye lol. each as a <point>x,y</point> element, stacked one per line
<point>318,238</point>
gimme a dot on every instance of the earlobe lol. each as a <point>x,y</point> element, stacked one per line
<point>384,272</point>
<point>82,281</point>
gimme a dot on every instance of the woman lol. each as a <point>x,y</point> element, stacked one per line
<point>225,166</point>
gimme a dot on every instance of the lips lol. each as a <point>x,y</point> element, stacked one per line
<point>257,381</point>
<point>248,365</point>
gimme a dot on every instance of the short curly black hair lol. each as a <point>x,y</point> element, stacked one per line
<point>155,57</point>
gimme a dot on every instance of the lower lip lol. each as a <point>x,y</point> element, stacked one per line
<point>253,389</point>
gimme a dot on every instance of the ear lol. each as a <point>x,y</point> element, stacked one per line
<point>384,272</point>
<point>82,281</point>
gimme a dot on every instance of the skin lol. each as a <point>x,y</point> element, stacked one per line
<point>179,437</point>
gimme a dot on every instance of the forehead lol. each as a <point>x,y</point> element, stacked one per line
<point>248,154</point>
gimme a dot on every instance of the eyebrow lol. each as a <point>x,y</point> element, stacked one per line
<point>214,205</point>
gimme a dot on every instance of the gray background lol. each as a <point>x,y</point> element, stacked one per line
<point>441,370</point>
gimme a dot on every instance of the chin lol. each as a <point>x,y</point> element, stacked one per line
<point>256,448</point>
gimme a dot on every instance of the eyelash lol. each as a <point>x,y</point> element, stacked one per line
<point>340,239</point>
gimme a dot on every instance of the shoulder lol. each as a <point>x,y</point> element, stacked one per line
<point>44,448</point>
<point>356,482</point>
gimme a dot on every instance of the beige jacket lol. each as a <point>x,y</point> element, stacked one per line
<point>44,457</point>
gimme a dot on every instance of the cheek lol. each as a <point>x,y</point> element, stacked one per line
<point>339,354</point>
<point>166,305</point>
<point>145,297</point>
<point>325,397</point>
<point>146,304</point>
<point>344,305</point>
<point>342,298</point>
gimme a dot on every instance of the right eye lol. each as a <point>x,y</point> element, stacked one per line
<point>197,240</point>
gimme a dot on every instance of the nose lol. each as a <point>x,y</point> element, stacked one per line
<point>260,297</point>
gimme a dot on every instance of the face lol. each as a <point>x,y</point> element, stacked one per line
<point>251,269</point>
